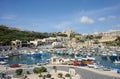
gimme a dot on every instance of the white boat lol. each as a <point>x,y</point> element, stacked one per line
<point>104,54</point>
<point>3,62</point>
<point>91,58</point>
<point>117,62</point>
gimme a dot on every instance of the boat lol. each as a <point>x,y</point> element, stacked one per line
<point>3,57</point>
<point>104,54</point>
<point>117,62</point>
<point>3,62</point>
<point>34,54</point>
<point>113,56</point>
<point>89,58</point>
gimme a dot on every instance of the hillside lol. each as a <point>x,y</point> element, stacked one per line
<point>8,34</point>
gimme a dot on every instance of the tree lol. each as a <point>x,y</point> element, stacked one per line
<point>60,75</point>
<point>19,71</point>
<point>67,75</point>
<point>89,37</point>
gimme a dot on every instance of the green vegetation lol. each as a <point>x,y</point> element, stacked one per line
<point>19,71</point>
<point>48,75</point>
<point>82,41</point>
<point>60,75</point>
<point>91,37</point>
<point>39,70</point>
<point>27,72</point>
<point>67,75</point>
<point>8,34</point>
<point>97,37</point>
<point>72,35</point>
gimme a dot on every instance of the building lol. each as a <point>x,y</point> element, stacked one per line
<point>37,42</point>
<point>45,41</point>
<point>89,43</point>
<point>68,32</point>
<point>49,40</point>
<point>110,36</point>
<point>16,44</point>
<point>57,45</point>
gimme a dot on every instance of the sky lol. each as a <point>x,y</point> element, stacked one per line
<point>82,16</point>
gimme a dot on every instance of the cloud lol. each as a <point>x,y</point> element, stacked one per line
<point>118,25</point>
<point>63,25</point>
<point>111,17</point>
<point>102,19</point>
<point>8,17</point>
<point>86,20</point>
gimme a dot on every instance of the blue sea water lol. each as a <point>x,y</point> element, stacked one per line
<point>107,62</point>
<point>29,60</point>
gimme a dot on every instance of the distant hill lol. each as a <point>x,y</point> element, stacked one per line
<point>7,34</point>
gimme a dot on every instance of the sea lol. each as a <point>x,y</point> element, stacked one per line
<point>30,60</point>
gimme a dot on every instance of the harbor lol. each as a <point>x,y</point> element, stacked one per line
<point>60,39</point>
<point>81,57</point>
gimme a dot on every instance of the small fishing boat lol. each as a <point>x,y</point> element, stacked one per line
<point>117,62</point>
<point>3,62</point>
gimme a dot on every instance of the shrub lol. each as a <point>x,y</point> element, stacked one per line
<point>60,75</point>
<point>39,70</point>
<point>43,69</point>
<point>67,75</point>
<point>48,75</point>
<point>36,70</point>
<point>19,71</point>
<point>27,72</point>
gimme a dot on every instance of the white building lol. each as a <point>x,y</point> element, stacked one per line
<point>57,45</point>
<point>16,44</point>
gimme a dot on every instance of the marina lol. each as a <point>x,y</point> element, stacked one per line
<point>60,39</point>
<point>25,56</point>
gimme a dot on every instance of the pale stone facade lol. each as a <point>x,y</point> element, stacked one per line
<point>16,44</point>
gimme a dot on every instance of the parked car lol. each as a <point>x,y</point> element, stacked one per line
<point>14,65</point>
<point>106,69</point>
<point>118,70</point>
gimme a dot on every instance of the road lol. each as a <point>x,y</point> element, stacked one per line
<point>85,74</point>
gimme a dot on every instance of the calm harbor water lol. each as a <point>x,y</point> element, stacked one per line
<point>29,60</point>
<point>22,59</point>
